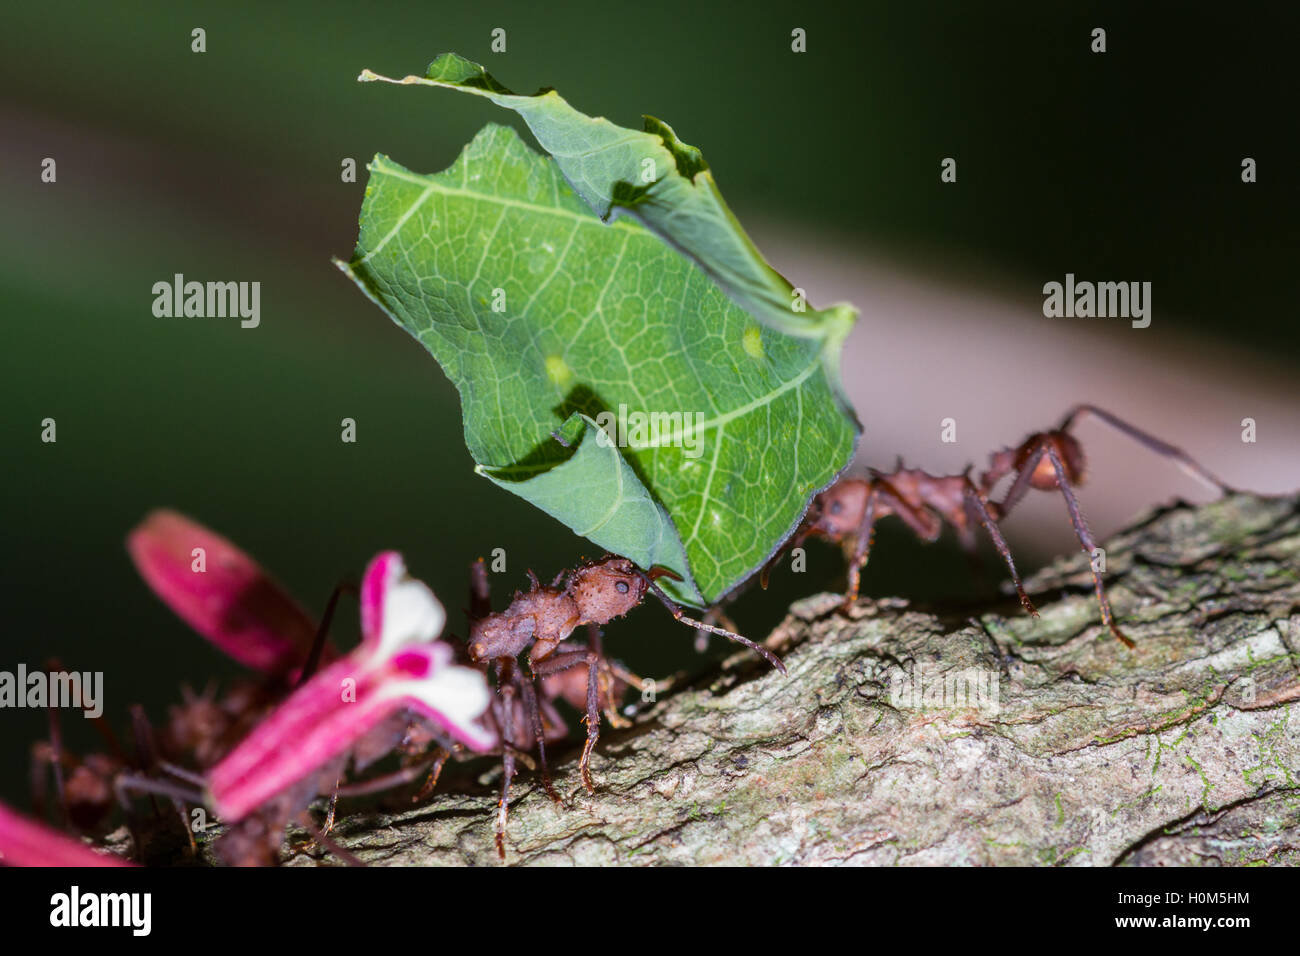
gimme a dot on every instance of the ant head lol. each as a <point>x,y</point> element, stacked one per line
<point>838,509</point>
<point>609,588</point>
<point>1067,449</point>
<point>1071,454</point>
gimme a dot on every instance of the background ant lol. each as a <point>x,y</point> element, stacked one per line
<point>1047,461</point>
<point>87,789</point>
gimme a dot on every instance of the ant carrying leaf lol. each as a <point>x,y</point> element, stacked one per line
<point>540,621</point>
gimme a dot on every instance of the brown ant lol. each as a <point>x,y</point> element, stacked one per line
<point>87,789</point>
<point>523,715</point>
<point>1046,461</point>
<point>541,621</point>
<point>198,732</point>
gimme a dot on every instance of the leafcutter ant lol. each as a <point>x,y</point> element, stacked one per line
<point>540,621</point>
<point>1047,461</point>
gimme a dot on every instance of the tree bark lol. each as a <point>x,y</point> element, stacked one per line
<point>932,737</point>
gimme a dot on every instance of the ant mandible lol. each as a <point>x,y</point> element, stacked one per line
<point>1046,461</point>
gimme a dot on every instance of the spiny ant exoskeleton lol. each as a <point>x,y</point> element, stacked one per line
<point>1047,461</point>
<point>540,621</point>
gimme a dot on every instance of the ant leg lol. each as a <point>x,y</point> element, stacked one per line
<point>435,771</point>
<point>592,659</point>
<point>146,756</point>
<point>861,547</point>
<point>386,781</point>
<point>503,803</point>
<point>797,540</point>
<point>1021,483</point>
<point>480,604</point>
<point>137,714</point>
<point>712,616</point>
<point>323,630</point>
<point>675,610</point>
<point>881,490</point>
<point>563,660</point>
<point>180,808</point>
<point>634,681</point>
<point>328,825</point>
<point>1081,532</point>
<point>127,783</point>
<point>1186,462</point>
<point>717,614</point>
<point>56,762</point>
<point>528,692</point>
<point>976,505</point>
<point>144,743</point>
<point>592,718</point>
<point>609,699</point>
<point>969,545</point>
<point>594,639</point>
<point>145,749</point>
<point>504,706</point>
<point>607,677</point>
<point>181,773</point>
<point>321,839</point>
<point>40,757</point>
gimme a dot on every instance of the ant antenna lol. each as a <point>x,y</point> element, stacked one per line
<point>680,615</point>
<point>1186,463</point>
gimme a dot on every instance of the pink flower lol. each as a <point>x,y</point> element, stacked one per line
<point>221,592</point>
<point>28,842</point>
<point>398,665</point>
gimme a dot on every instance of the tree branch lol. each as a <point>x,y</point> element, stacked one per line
<point>902,736</point>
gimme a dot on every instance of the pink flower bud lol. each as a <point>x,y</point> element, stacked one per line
<point>399,664</point>
<point>221,592</point>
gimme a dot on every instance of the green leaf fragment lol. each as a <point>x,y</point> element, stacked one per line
<point>665,183</point>
<point>597,494</point>
<point>548,318</point>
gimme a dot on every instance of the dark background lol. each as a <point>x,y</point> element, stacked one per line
<point>225,166</point>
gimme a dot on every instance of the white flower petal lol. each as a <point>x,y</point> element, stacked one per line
<point>412,615</point>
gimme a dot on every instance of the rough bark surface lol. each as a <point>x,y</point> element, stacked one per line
<point>902,736</point>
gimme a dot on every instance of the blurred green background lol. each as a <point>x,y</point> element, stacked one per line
<point>225,166</point>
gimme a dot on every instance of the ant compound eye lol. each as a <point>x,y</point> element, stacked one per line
<point>621,587</point>
<point>836,507</point>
